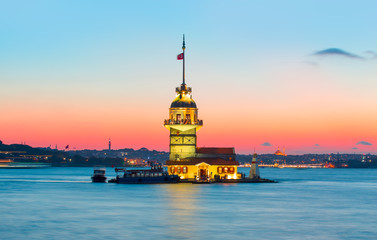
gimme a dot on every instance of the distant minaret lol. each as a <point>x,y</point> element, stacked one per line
<point>109,144</point>
<point>254,170</point>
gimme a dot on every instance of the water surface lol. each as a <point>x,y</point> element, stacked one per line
<point>62,203</point>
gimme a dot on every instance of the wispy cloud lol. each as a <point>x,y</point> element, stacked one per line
<point>371,54</point>
<point>266,144</point>
<point>336,52</point>
<point>364,143</point>
<point>354,148</point>
<point>316,145</point>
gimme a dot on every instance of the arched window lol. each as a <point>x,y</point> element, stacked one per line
<point>184,169</point>
<point>178,169</point>
<point>225,170</point>
<point>172,169</point>
<point>219,170</point>
<point>231,170</point>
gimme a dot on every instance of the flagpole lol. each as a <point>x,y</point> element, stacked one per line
<point>183,48</point>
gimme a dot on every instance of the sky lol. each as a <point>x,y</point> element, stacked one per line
<point>264,74</point>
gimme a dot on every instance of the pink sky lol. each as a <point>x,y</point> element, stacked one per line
<point>78,74</point>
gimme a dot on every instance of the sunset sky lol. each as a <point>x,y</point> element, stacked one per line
<point>299,74</point>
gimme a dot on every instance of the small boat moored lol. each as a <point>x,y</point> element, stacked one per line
<point>99,175</point>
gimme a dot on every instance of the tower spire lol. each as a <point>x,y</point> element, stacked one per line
<point>183,48</point>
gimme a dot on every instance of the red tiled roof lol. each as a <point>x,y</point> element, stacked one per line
<point>210,161</point>
<point>215,150</point>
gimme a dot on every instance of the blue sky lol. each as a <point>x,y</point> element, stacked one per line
<point>80,55</point>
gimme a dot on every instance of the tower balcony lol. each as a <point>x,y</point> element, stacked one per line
<point>183,88</point>
<point>183,122</point>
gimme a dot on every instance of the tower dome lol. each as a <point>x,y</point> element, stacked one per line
<point>183,99</point>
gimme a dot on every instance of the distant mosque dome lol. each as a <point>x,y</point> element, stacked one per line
<point>279,153</point>
<point>183,101</point>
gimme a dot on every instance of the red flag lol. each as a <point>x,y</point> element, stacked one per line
<point>180,56</point>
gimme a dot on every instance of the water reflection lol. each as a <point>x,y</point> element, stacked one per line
<point>182,207</point>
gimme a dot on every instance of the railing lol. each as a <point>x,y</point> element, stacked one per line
<point>183,122</point>
<point>179,89</point>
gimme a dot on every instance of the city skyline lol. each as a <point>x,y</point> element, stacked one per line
<point>262,76</point>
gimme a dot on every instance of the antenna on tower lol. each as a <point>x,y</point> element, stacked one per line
<point>183,48</point>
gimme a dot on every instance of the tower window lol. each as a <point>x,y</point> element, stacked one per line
<point>188,119</point>
<point>184,169</point>
<point>178,117</point>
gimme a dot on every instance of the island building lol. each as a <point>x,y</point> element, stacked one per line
<point>190,162</point>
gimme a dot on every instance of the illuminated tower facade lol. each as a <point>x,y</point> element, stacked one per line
<point>183,121</point>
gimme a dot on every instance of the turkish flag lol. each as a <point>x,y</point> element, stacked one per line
<point>180,56</point>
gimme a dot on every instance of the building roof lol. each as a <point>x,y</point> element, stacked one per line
<point>214,150</point>
<point>195,161</point>
<point>183,100</point>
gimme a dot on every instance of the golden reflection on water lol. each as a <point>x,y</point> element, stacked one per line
<point>182,208</point>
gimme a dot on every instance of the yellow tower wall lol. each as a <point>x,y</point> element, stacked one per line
<point>193,171</point>
<point>182,143</point>
<point>184,113</point>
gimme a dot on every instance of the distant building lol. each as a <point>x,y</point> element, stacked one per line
<point>135,162</point>
<point>279,153</point>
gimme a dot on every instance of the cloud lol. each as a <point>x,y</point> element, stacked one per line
<point>336,52</point>
<point>266,144</point>
<point>364,143</point>
<point>316,145</point>
<point>354,148</point>
<point>373,55</point>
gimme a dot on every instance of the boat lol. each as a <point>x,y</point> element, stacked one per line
<point>99,175</point>
<point>154,175</point>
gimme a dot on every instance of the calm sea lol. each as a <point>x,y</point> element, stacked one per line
<point>62,203</point>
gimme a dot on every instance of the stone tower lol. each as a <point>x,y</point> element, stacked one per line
<point>183,121</point>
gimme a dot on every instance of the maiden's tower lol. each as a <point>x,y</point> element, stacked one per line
<point>187,160</point>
